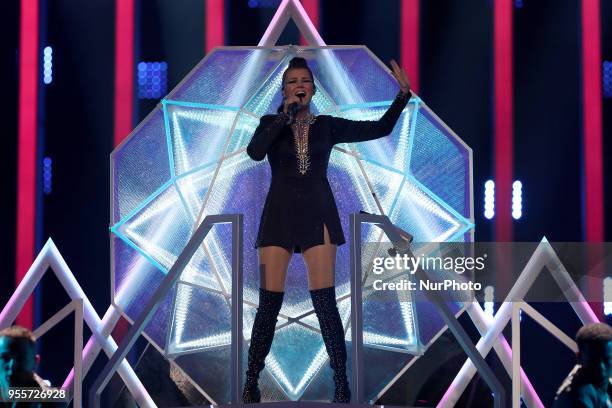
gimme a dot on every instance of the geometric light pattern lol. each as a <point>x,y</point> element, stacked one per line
<point>188,159</point>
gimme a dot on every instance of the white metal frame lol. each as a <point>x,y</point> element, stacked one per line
<point>491,329</point>
<point>50,257</point>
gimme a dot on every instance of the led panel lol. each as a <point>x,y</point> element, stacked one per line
<point>187,159</point>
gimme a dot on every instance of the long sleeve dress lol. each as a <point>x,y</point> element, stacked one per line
<point>300,200</point>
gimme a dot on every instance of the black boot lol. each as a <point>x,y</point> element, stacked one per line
<point>261,341</point>
<point>324,302</point>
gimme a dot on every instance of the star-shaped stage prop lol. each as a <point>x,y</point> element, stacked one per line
<point>187,159</point>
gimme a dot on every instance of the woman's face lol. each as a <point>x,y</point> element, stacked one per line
<point>298,83</point>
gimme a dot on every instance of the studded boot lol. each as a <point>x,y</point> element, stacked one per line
<point>261,341</point>
<point>324,302</point>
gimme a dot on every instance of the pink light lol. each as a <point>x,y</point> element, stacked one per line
<point>215,16</point>
<point>124,68</point>
<point>312,9</point>
<point>592,113</point>
<point>26,154</point>
<point>409,41</point>
<point>503,102</point>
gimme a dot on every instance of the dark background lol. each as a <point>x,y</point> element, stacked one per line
<point>456,59</point>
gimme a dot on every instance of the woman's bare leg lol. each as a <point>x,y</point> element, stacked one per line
<point>273,264</point>
<point>321,262</point>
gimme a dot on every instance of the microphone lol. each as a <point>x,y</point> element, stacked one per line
<point>293,109</point>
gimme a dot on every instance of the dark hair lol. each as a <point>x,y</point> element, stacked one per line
<point>594,336</point>
<point>296,63</point>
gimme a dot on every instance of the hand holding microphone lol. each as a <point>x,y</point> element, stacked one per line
<point>292,104</point>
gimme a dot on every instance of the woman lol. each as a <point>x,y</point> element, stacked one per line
<point>300,213</point>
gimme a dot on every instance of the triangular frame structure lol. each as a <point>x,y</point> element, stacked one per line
<point>50,257</point>
<point>290,9</point>
<point>491,329</point>
<point>516,343</point>
<point>76,306</point>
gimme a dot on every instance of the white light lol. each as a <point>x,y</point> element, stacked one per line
<point>47,65</point>
<point>517,199</point>
<point>489,305</point>
<point>607,296</point>
<point>489,207</point>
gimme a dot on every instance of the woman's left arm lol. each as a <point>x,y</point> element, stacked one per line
<point>348,131</point>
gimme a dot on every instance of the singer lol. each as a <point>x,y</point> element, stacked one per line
<point>300,213</point>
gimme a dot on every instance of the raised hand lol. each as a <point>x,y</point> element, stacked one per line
<point>400,77</point>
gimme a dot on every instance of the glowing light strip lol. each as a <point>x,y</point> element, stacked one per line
<point>146,202</point>
<point>317,362</point>
<point>375,338</point>
<point>153,262</point>
<point>27,149</point>
<point>181,159</point>
<point>215,24</point>
<point>413,123</point>
<point>263,96</point>
<point>167,201</point>
<point>223,339</point>
<point>503,111</point>
<point>407,310</point>
<point>439,201</point>
<point>208,119</point>
<point>186,104</point>
<point>431,206</point>
<point>181,311</point>
<point>593,210</point>
<point>380,104</point>
<point>124,68</point>
<point>403,147</point>
<point>409,40</point>
<point>163,256</point>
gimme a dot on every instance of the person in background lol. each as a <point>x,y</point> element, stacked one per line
<point>18,359</point>
<point>588,384</point>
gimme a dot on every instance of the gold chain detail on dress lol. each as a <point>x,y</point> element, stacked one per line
<point>300,136</point>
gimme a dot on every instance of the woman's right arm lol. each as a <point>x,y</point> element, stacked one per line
<point>269,129</point>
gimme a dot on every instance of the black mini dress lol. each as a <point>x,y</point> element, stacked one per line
<point>300,200</point>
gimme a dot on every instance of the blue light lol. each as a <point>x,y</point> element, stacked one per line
<point>606,74</point>
<point>152,79</point>
<point>47,175</point>
<point>47,65</point>
<point>518,3</point>
<point>264,3</point>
